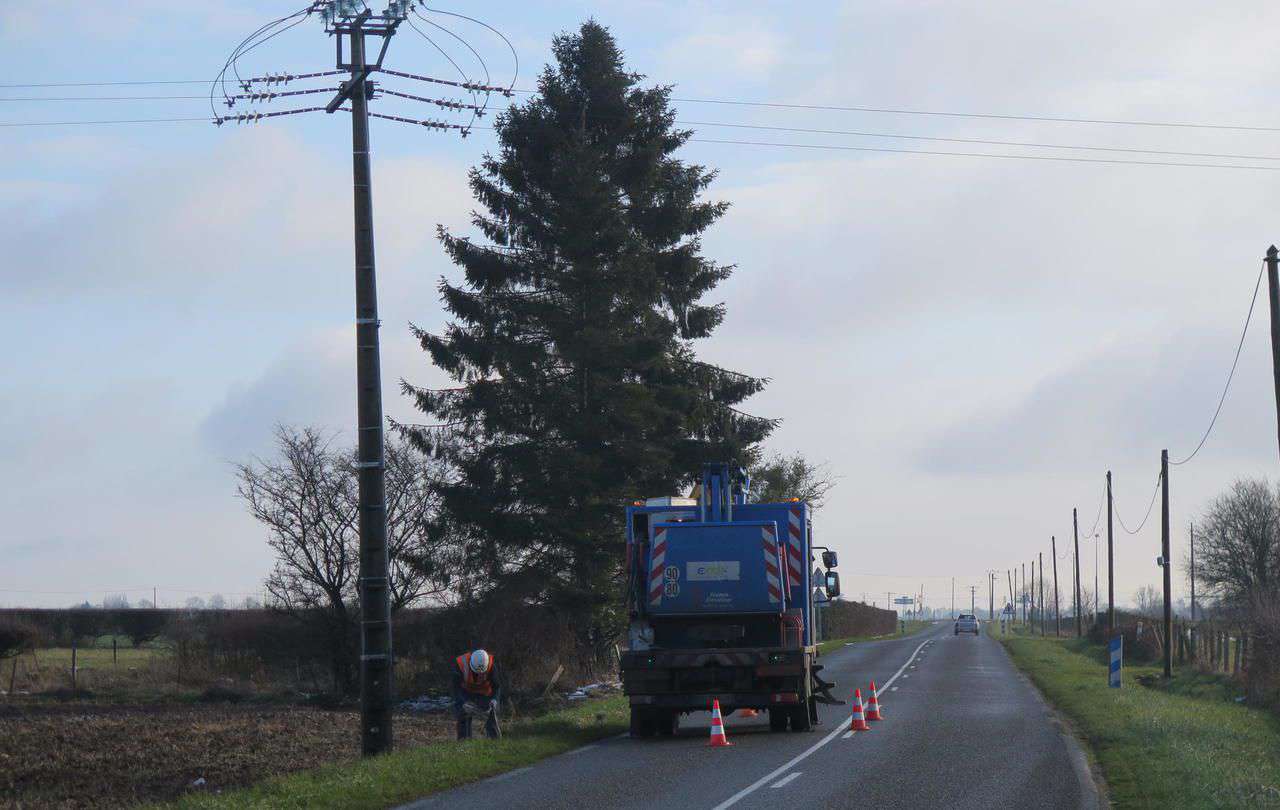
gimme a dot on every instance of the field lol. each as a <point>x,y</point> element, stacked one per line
<point>409,773</point>
<point>1186,744</point>
<point>92,755</point>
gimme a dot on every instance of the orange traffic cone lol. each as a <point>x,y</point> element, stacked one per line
<point>858,722</point>
<point>873,704</point>
<point>718,739</point>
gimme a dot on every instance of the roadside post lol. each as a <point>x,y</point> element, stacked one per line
<point>1117,657</point>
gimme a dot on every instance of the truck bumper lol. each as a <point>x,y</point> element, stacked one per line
<point>691,679</point>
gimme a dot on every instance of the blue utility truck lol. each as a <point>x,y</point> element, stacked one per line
<point>720,601</point>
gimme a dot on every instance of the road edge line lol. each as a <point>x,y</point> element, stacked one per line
<point>803,755</point>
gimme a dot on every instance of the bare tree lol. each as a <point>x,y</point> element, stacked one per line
<point>1149,601</point>
<point>308,500</point>
<point>115,601</point>
<point>217,602</point>
<point>195,603</point>
<point>780,477</point>
<point>1238,545</point>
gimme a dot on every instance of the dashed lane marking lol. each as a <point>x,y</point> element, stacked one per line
<point>784,781</point>
<point>776,772</point>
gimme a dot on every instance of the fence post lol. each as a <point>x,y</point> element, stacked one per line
<point>113,651</point>
<point>74,688</point>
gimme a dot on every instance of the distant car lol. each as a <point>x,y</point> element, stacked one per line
<point>966,623</point>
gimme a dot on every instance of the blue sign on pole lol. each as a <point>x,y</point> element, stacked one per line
<point>1117,656</point>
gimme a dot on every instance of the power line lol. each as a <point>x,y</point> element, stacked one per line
<point>1116,510</point>
<point>206,119</point>
<point>1052,158</point>
<point>1234,362</point>
<point>779,105</point>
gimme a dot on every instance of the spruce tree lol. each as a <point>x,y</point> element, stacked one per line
<point>572,337</point>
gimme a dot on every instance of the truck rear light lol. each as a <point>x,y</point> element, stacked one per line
<point>785,697</point>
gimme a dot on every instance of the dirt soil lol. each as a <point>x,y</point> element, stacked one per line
<point>84,755</point>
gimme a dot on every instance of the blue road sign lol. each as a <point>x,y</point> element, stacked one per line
<point>1117,656</point>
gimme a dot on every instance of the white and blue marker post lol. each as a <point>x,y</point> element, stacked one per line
<point>1117,656</point>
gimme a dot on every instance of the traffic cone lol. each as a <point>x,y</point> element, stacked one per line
<point>718,740</point>
<point>873,704</point>
<point>858,722</point>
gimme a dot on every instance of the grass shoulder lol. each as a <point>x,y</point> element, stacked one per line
<point>403,776</point>
<point>1185,743</point>
<point>910,628</point>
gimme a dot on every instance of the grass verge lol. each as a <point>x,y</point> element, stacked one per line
<point>403,776</point>
<point>1185,744</point>
<point>836,643</point>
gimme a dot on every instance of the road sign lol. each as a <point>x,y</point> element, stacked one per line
<point>903,600</point>
<point>1117,658</point>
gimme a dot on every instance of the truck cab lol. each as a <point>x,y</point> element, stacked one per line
<point>720,603</point>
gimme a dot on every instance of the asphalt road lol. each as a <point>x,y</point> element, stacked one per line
<point>962,729</point>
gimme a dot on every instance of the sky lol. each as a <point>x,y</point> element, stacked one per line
<point>970,343</point>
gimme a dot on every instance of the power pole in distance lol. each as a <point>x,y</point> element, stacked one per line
<point>1042,594</point>
<point>1273,288</point>
<point>973,601</point>
<point>1022,594</point>
<point>1164,562</point>
<point>1075,531</point>
<point>1057,613</point>
<point>1111,566</point>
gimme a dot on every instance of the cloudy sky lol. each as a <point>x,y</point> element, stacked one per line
<point>970,342</point>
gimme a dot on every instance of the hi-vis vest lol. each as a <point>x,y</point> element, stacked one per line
<point>477,684</point>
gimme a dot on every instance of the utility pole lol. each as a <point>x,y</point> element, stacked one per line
<point>953,597</point>
<point>991,596</point>
<point>1041,600</point>
<point>1111,567</point>
<point>1093,613</point>
<point>1273,288</point>
<point>375,604</point>
<point>1075,531</point>
<point>1193,572</point>
<point>973,597</point>
<point>1022,594</point>
<point>1057,614</point>
<point>1164,562</point>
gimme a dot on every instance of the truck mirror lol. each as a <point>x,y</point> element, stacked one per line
<point>833,584</point>
<point>829,559</point>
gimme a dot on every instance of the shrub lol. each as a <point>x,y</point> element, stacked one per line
<point>17,637</point>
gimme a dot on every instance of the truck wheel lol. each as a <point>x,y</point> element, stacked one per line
<point>667,721</point>
<point>778,719</point>
<point>800,720</point>
<point>642,722</point>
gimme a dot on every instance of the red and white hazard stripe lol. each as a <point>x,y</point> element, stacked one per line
<point>658,565</point>
<point>795,562</point>
<point>772,565</point>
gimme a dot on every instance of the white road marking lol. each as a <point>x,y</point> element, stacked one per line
<point>583,748</point>
<point>847,735</point>
<point>503,776</point>
<point>798,758</point>
<point>894,689</point>
<point>785,780</point>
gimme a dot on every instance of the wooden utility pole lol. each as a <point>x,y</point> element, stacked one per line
<point>1075,531</point>
<point>1022,594</point>
<point>1165,563</point>
<point>1111,566</point>
<point>1057,614</point>
<point>1042,593</point>
<point>1273,289</point>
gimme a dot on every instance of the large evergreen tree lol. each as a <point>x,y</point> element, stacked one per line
<point>572,336</point>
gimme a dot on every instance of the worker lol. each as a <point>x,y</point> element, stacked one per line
<point>476,690</point>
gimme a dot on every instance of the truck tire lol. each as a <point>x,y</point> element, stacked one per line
<point>642,722</point>
<point>800,720</point>
<point>666,721</point>
<point>778,719</point>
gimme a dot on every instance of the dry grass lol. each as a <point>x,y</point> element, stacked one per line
<point>78,755</point>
